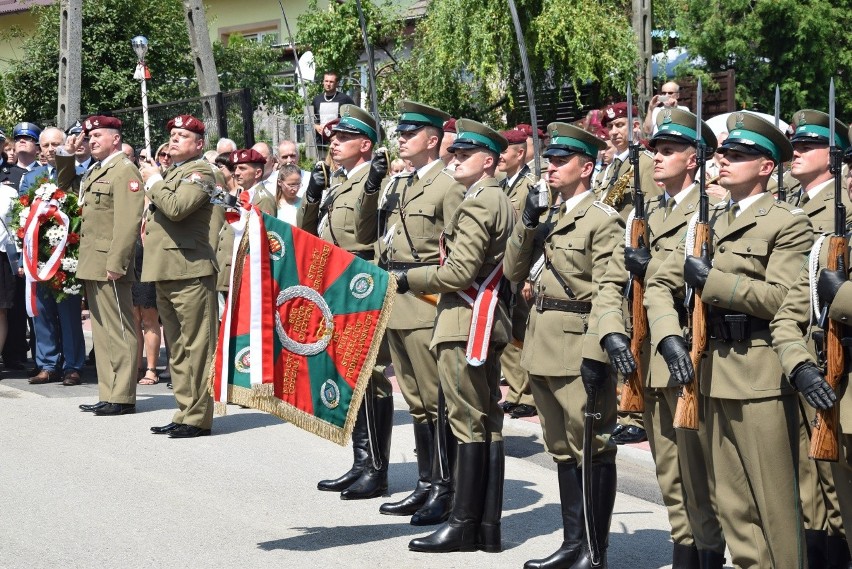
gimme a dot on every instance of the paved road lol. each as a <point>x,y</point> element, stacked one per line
<point>83,491</point>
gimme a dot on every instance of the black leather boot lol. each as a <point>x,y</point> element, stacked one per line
<point>460,533</point>
<point>836,552</point>
<point>373,481</point>
<point>424,443</point>
<point>489,529</point>
<point>439,504</point>
<point>604,482</point>
<point>815,544</point>
<point>573,529</point>
<point>685,557</point>
<point>710,559</point>
<point>360,444</point>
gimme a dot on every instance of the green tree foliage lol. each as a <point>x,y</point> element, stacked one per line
<point>797,44</point>
<point>109,61</point>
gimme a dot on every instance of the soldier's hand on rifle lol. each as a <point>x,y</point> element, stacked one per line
<point>617,346</point>
<point>378,171</point>
<point>810,382</point>
<point>535,205</point>
<point>673,349</point>
<point>318,183</point>
<point>636,259</point>
<point>594,374</point>
<point>829,283</point>
<point>401,281</point>
<point>695,270</point>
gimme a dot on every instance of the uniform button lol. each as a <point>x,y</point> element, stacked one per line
<point>715,301</point>
<point>722,249</point>
<point>748,249</point>
<point>656,247</point>
<point>147,232</point>
<point>420,210</point>
<point>570,244</point>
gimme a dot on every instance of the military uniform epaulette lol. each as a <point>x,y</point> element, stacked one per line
<point>721,206</point>
<point>789,207</point>
<point>608,209</point>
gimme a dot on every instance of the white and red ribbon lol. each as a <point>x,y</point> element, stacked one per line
<point>41,212</point>
<point>483,299</point>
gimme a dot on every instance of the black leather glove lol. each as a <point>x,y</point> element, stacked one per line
<point>636,259</point>
<point>533,207</point>
<point>594,374</point>
<point>617,346</point>
<point>318,183</point>
<point>378,171</point>
<point>808,379</point>
<point>401,281</point>
<point>673,349</point>
<point>829,282</point>
<point>695,270</point>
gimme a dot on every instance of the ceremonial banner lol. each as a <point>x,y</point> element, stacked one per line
<point>302,327</point>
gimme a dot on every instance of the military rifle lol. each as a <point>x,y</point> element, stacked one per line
<point>632,395</point>
<point>781,195</point>
<point>686,413</point>
<point>824,445</point>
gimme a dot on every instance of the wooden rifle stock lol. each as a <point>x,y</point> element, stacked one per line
<point>686,413</point>
<point>632,393</point>
<point>824,432</point>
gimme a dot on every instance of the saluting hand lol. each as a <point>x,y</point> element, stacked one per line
<point>617,346</point>
<point>673,349</point>
<point>810,382</point>
<point>535,205</point>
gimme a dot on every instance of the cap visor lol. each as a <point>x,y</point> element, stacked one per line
<point>559,152</point>
<point>464,145</point>
<point>408,127</point>
<point>751,149</point>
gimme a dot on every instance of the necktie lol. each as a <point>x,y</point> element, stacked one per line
<point>670,204</point>
<point>805,198</point>
<point>616,165</point>
<point>733,211</point>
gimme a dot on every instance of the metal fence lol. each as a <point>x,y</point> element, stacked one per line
<point>225,115</point>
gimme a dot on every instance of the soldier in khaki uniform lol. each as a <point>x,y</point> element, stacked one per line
<point>679,454</point>
<point>405,220</point>
<point>566,258</point>
<point>615,188</point>
<point>472,247</point>
<point>751,410</point>
<point>179,258</point>
<point>519,179</point>
<point>330,213</point>
<point>815,195</point>
<point>111,197</point>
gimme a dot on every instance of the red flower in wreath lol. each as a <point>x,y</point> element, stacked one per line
<point>25,200</point>
<point>73,238</point>
<point>58,194</point>
<point>60,277</point>
<point>21,233</point>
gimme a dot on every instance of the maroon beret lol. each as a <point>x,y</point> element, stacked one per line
<point>514,136</point>
<point>186,122</point>
<point>602,133</point>
<point>99,121</point>
<point>247,156</point>
<point>527,130</point>
<point>450,126</point>
<point>328,128</point>
<point>616,111</point>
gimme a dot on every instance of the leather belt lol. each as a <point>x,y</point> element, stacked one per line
<point>366,255</point>
<point>730,326</point>
<point>543,303</point>
<point>400,266</point>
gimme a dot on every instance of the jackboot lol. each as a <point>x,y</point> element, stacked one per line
<point>373,481</point>
<point>439,504</point>
<point>836,552</point>
<point>360,452</point>
<point>815,542</point>
<point>573,529</point>
<point>424,442</point>
<point>604,482</point>
<point>489,529</point>
<point>708,559</point>
<point>460,533</point>
<point>685,557</point>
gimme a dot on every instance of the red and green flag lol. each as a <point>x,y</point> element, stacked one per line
<point>302,327</point>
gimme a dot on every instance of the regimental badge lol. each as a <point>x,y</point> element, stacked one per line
<point>276,246</point>
<point>242,361</point>
<point>179,122</point>
<point>740,120</point>
<point>361,285</point>
<point>667,116</point>
<point>244,154</point>
<point>802,119</point>
<point>554,133</point>
<point>88,125</point>
<point>96,122</point>
<point>346,113</point>
<point>610,113</point>
<point>195,177</point>
<point>133,186</point>
<point>330,394</point>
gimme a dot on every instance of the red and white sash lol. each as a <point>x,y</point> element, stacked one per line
<point>40,213</point>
